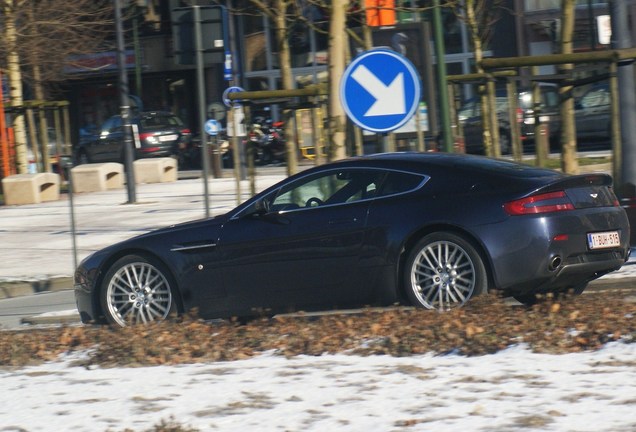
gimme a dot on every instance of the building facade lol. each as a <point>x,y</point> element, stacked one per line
<point>523,27</point>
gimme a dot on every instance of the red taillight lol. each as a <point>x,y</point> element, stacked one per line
<point>542,203</point>
<point>185,131</point>
<point>149,149</point>
<point>144,135</point>
<point>519,115</point>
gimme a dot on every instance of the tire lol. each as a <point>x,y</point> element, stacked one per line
<point>137,290</point>
<point>443,271</point>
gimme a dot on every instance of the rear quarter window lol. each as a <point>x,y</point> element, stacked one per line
<point>400,182</point>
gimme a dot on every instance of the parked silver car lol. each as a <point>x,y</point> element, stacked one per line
<point>469,116</point>
<point>593,119</point>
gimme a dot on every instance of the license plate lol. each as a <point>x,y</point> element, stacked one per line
<point>164,138</point>
<point>603,240</point>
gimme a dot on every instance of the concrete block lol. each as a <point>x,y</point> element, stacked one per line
<point>155,170</point>
<point>97,177</point>
<point>31,188</point>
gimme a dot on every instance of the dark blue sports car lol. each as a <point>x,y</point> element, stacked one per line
<point>430,230</point>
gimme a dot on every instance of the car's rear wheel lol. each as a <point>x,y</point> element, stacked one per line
<point>137,290</point>
<point>443,271</point>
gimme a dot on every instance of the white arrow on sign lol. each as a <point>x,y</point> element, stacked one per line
<point>389,100</point>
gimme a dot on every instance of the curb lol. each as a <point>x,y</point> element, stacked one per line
<point>20,288</point>
<point>13,289</point>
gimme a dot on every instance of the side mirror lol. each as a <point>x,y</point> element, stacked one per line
<point>261,207</point>
<point>262,211</point>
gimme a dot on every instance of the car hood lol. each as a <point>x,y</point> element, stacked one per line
<point>178,236</point>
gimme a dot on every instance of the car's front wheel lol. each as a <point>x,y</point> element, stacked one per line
<point>443,271</point>
<point>137,290</point>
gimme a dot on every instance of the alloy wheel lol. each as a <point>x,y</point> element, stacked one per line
<point>138,293</point>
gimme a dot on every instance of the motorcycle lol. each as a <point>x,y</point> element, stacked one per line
<point>266,141</point>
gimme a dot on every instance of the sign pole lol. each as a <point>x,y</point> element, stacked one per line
<point>205,164</point>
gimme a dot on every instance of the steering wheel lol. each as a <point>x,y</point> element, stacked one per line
<point>314,202</point>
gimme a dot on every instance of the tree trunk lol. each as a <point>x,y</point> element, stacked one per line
<point>486,107</point>
<point>337,40</point>
<point>15,87</point>
<point>284,59</point>
<point>569,162</point>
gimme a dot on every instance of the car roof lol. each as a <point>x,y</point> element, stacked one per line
<point>415,161</point>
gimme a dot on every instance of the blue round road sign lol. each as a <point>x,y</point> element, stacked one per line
<point>211,127</point>
<point>380,90</point>
<point>226,99</point>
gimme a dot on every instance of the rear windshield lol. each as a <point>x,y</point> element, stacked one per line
<point>159,121</point>
<point>505,168</point>
<point>549,98</point>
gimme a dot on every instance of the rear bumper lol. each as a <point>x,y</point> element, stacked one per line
<point>542,254</point>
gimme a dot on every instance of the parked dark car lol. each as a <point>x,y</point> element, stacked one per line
<point>427,229</point>
<point>156,134</point>
<point>469,116</point>
<point>593,115</point>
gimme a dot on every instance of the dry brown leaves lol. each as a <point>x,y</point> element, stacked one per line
<point>485,325</point>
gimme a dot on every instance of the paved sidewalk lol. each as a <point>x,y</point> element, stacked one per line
<point>36,249</point>
<point>36,246</point>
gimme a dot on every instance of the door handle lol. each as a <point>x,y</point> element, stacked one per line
<point>342,221</point>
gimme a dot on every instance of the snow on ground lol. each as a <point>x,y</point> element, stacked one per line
<point>509,391</point>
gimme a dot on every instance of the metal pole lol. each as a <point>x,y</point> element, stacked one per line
<point>66,165</point>
<point>72,212</point>
<point>621,39</point>
<point>125,106</point>
<point>201,96</point>
<point>441,77</point>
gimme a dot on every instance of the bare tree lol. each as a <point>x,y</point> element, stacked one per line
<point>480,17</point>
<point>569,162</point>
<point>38,40</point>
<point>337,50</point>
<point>279,13</point>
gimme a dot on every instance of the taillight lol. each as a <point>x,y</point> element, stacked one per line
<point>519,115</point>
<point>146,136</point>
<point>542,203</point>
<point>149,149</point>
<point>185,131</point>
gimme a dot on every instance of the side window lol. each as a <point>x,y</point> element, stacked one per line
<point>594,98</point>
<point>107,125</point>
<point>550,98</point>
<point>400,182</point>
<point>334,187</point>
<point>466,111</point>
<point>111,125</point>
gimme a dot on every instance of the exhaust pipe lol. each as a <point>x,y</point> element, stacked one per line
<point>555,263</point>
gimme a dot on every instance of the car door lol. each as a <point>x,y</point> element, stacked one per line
<point>304,252</point>
<point>470,119</point>
<point>592,113</point>
<point>107,148</point>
